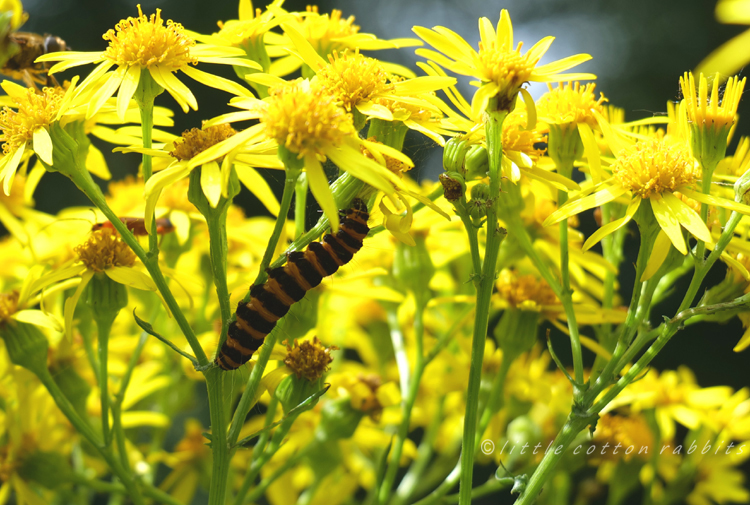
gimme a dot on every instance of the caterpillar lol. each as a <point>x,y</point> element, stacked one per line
<point>137,225</point>
<point>288,284</point>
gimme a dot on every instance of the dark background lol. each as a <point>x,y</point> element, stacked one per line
<point>639,49</point>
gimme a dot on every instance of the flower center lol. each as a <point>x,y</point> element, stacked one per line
<point>309,359</point>
<point>103,250</point>
<point>525,292</point>
<point>305,119</point>
<point>517,138</point>
<point>34,110</point>
<point>508,69</point>
<point>571,103</point>
<point>353,78</point>
<point>8,305</point>
<point>398,167</point>
<point>196,140</point>
<point>654,166</point>
<point>147,42</point>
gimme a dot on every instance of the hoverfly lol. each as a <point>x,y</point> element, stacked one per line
<point>22,66</point>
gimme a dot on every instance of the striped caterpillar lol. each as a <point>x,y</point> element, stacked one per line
<point>286,285</point>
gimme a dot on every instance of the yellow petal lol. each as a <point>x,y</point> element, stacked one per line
<point>716,202</point>
<point>70,304</point>
<point>375,110</point>
<point>211,182</point>
<point>687,217</point>
<point>668,222</point>
<point>659,253</point>
<point>321,190</point>
<point>258,186</point>
<point>613,226</point>
<point>105,91</point>
<point>573,207</point>
<point>39,318</point>
<point>214,81</point>
<point>181,222</point>
<point>134,419</point>
<point>591,150</point>
<point>43,145</point>
<point>9,169</point>
<point>96,164</point>
<point>127,90</point>
<point>129,276</point>
<point>311,58</point>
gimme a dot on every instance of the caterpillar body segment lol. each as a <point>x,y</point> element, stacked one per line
<point>288,284</point>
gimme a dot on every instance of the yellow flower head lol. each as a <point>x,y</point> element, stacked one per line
<point>655,166</point>
<point>309,359</point>
<point>517,138</point>
<point>103,250</point>
<point>305,119</point>
<point>147,41</point>
<point>525,292</point>
<point>353,78</point>
<point>499,64</point>
<point>8,305</point>
<point>570,103</point>
<point>35,110</point>
<point>396,166</point>
<point>627,431</point>
<point>323,30</point>
<point>197,140</point>
<point>717,111</point>
<point>251,25</point>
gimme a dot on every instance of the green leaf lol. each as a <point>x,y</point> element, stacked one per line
<point>150,330</point>
<point>304,405</point>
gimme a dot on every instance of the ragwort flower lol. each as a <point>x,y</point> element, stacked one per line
<point>144,44</point>
<point>499,66</point>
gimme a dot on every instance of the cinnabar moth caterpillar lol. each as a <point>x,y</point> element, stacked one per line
<point>137,225</point>
<point>270,301</point>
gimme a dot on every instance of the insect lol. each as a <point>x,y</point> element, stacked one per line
<point>22,66</point>
<point>286,285</point>
<point>137,225</point>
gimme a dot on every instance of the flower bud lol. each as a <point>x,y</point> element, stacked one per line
<point>294,390</point>
<point>26,345</point>
<point>105,296</point>
<point>564,146</point>
<point>476,161</point>
<point>338,420</point>
<point>454,186</point>
<point>454,154</point>
<point>480,192</point>
<point>413,268</point>
<point>742,189</point>
<point>50,469</point>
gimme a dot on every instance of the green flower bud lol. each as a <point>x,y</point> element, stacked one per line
<point>454,186</point>
<point>742,189</point>
<point>480,192</point>
<point>338,420</point>
<point>476,161</point>
<point>522,431</point>
<point>294,390</point>
<point>477,209</point>
<point>49,469</point>
<point>516,332</point>
<point>26,345</point>
<point>413,268</point>
<point>256,51</point>
<point>564,145</point>
<point>454,153</point>
<point>105,296</point>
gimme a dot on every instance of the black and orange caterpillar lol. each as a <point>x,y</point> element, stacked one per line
<point>270,301</point>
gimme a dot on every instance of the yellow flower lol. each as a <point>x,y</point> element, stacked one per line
<point>499,64</point>
<point>717,111</point>
<point>217,150</point>
<point>147,44</point>
<point>104,253</point>
<point>328,33</point>
<point>652,170</point>
<point>304,119</point>
<point>25,131</point>
<point>249,28</point>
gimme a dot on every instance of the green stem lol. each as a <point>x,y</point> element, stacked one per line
<point>292,173</point>
<point>495,237</point>
<point>424,454</point>
<point>217,234</point>
<point>152,265</point>
<point>145,102</point>
<point>406,405</point>
<point>120,397</point>
<point>257,493</point>
<point>248,395</point>
<point>217,397</point>
<point>489,487</point>
<point>706,189</point>
<point>300,205</point>
<point>104,327</point>
<point>84,429</point>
